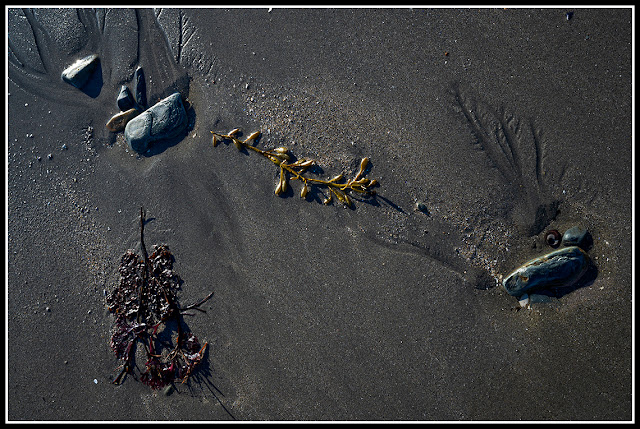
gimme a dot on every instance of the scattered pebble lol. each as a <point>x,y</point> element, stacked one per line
<point>422,207</point>
<point>140,88</point>
<point>125,99</point>
<point>575,236</point>
<point>79,72</point>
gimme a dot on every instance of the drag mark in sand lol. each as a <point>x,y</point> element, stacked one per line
<point>180,32</point>
<point>514,148</point>
<point>474,245</point>
<point>40,50</point>
<point>296,169</point>
<point>42,42</point>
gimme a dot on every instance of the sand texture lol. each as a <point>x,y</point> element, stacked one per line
<point>502,123</point>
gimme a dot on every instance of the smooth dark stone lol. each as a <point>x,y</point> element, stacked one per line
<point>140,88</point>
<point>125,99</point>
<point>164,120</point>
<point>420,206</point>
<point>560,268</point>
<point>79,72</point>
<point>575,236</point>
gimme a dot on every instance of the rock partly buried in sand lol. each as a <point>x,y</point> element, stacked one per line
<point>119,122</point>
<point>79,72</point>
<point>563,267</point>
<point>164,120</point>
<point>125,99</point>
<point>575,236</point>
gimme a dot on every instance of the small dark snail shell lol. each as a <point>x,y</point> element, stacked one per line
<point>552,238</point>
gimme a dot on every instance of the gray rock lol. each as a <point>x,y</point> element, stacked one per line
<point>140,88</point>
<point>79,72</point>
<point>575,236</point>
<point>125,99</point>
<point>559,268</point>
<point>164,120</point>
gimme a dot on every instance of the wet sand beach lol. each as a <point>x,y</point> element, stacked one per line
<point>501,123</point>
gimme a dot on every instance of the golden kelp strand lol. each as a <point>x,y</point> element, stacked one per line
<point>281,157</point>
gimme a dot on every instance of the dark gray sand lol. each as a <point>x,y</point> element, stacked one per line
<point>379,312</point>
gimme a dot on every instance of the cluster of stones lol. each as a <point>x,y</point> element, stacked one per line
<point>560,268</point>
<point>164,120</point>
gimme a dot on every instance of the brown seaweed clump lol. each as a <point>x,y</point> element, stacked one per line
<point>147,311</point>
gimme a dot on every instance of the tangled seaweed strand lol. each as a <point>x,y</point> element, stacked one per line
<point>295,170</point>
<point>144,300</point>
